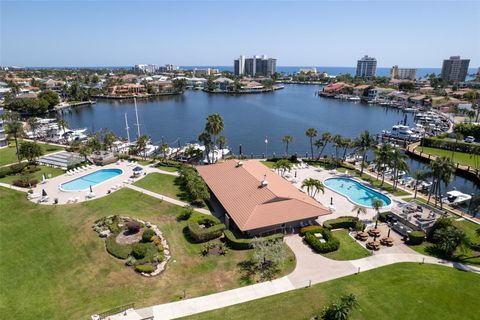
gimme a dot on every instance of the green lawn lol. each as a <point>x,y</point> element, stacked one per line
<point>399,291</point>
<point>374,182</point>
<point>162,184</point>
<point>167,168</point>
<point>463,158</point>
<point>54,266</point>
<point>8,154</point>
<point>349,248</point>
<point>268,164</point>
<point>37,175</point>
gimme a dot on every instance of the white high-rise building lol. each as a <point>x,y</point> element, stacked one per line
<point>366,67</point>
<point>403,73</point>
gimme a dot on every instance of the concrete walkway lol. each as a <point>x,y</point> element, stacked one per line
<point>165,198</point>
<point>9,186</point>
<point>311,269</point>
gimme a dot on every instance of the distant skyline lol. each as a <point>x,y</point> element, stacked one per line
<point>213,33</point>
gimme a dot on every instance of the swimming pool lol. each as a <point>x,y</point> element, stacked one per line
<point>356,192</point>
<point>92,179</point>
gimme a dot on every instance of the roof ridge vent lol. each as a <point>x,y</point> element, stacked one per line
<point>264,182</point>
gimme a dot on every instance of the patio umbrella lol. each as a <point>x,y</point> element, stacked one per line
<point>91,191</point>
<point>44,193</point>
<point>137,170</point>
<point>43,177</point>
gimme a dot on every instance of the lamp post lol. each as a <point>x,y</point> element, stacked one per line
<point>266,147</point>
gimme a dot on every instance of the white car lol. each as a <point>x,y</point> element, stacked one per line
<point>469,139</point>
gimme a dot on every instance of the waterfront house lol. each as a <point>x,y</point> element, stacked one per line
<point>127,89</point>
<point>224,84</point>
<point>334,88</point>
<point>418,100</point>
<point>254,200</point>
<point>360,89</point>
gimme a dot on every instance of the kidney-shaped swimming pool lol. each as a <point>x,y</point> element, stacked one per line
<point>356,192</point>
<point>92,179</point>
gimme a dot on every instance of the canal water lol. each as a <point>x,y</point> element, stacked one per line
<point>249,120</point>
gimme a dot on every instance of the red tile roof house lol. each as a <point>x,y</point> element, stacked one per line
<point>256,200</point>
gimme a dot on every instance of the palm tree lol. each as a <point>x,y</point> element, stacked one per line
<point>164,148</point>
<point>398,163</point>
<point>346,143</point>
<point>418,176</point>
<point>108,140</point>
<point>62,123</point>
<point>311,133</point>
<point>206,139</point>
<point>282,166</point>
<point>441,171</point>
<point>383,156</point>
<point>377,204</point>
<point>141,145</point>
<point>287,140</point>
<point>337,141</point>
<point>364,143</point>
<point>222,143</point>
<point>323,141</point>
<point>458,136</point>
<point>214,126</point>
<point>15,129</point>
<point>359,210</point>
<point>313,186</point>
<point>33,124</point>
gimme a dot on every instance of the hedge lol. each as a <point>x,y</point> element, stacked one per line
<point>146,268</point>
<point>416,237</point>
<point>204,234</point>
<point>12,169</point>
<point>341,223</point>
<point>246,243</point>
<point>311,229</point>
<point>451,145</point>
<point>117,250</point>
<point>331,243</point>
<point>468,129</point>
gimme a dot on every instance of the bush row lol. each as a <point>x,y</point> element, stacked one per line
<point>416,237</point>
<point>213,229</point>
<point>451,145</point>
<point>146,268</point>
<point>246,243</point>
<point>341,223</point>
<point>117,250</point>
<point>331,243</point>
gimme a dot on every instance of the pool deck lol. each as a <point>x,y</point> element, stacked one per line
<point>51,186</point>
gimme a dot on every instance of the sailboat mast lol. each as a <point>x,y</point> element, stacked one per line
<point>136,116</point>
<point>127,128</point>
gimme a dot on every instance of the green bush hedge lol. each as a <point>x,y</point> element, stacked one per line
<point>245,243</point>
<point>382,216</point>
<point>468,129</point>
<point>451,145</point>
<point>12,169</point>
<point>198,234</point>
<point>146,268</point>
<point>341,223</point>
<point>139,250</point>
<point>416,237</point>
<point>147,235</point>
<point>117,250</point>
<point>331,243</point>
<point>311,229</point>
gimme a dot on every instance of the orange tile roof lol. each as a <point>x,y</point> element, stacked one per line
<point>251,206</point>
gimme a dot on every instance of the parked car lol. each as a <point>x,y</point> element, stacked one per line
<point>469,139</point>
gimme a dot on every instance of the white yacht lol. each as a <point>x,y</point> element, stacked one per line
<point>455,197</point>
<point>354,98</point>
<point>403,132</point>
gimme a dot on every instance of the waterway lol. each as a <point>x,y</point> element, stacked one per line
<point>249,120</point>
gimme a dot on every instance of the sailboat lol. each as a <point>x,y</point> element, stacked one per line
<point>150,149</point>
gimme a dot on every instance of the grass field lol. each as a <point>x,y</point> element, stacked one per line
<point>463,158</point>
<point>8,154</point>
<point>167,168</point>
<point>54,266</point>
<point>37,175</point>
<point>162,184</point>
<point>349,248</point>
<point>399,291</point>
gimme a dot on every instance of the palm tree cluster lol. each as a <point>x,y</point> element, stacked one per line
<point>282,166</point>
<point>390,157</point>
<point>210,136</point>
<point>364,143</point>
<point>442,170</point>
<point>339,310</point>
<point>313,186</point>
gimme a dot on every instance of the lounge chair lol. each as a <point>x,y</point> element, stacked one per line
<point>34,195</point>
<point>77,199</point>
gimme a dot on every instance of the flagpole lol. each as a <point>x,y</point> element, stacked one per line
<point>266,147</point>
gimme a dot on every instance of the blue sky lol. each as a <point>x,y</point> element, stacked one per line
<point>321,33</point>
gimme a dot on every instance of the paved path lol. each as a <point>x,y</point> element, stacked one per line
<point>311,269</point>
<point>9,186</point>
<point>165,198</point>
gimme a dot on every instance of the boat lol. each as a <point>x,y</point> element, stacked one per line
<point>402,132</point>
<point>455,197</point>
<point>354,98</point>
<point>410,110</point>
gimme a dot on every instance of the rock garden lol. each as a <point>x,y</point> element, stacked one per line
<point>138,243</point>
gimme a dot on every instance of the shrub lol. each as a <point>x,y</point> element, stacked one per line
<point>245,243</point>
<point>185,214</point>
<point>117,250</point>
<point>311,229</point>
<point>204,234</point>
<point>452,145</point>
<point>139,250</point>
<point>130,261</point>
<point>416,237</point>
<point>5,171</point>
<point>468,129</point>
<point>133,226</point>
<point>148,235</point>
<point>341,223</point>
<point>144,268</point>
<point>25,183</point>
<point>331,243</point>
<point>17,167</point>
<point>382,216</point>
